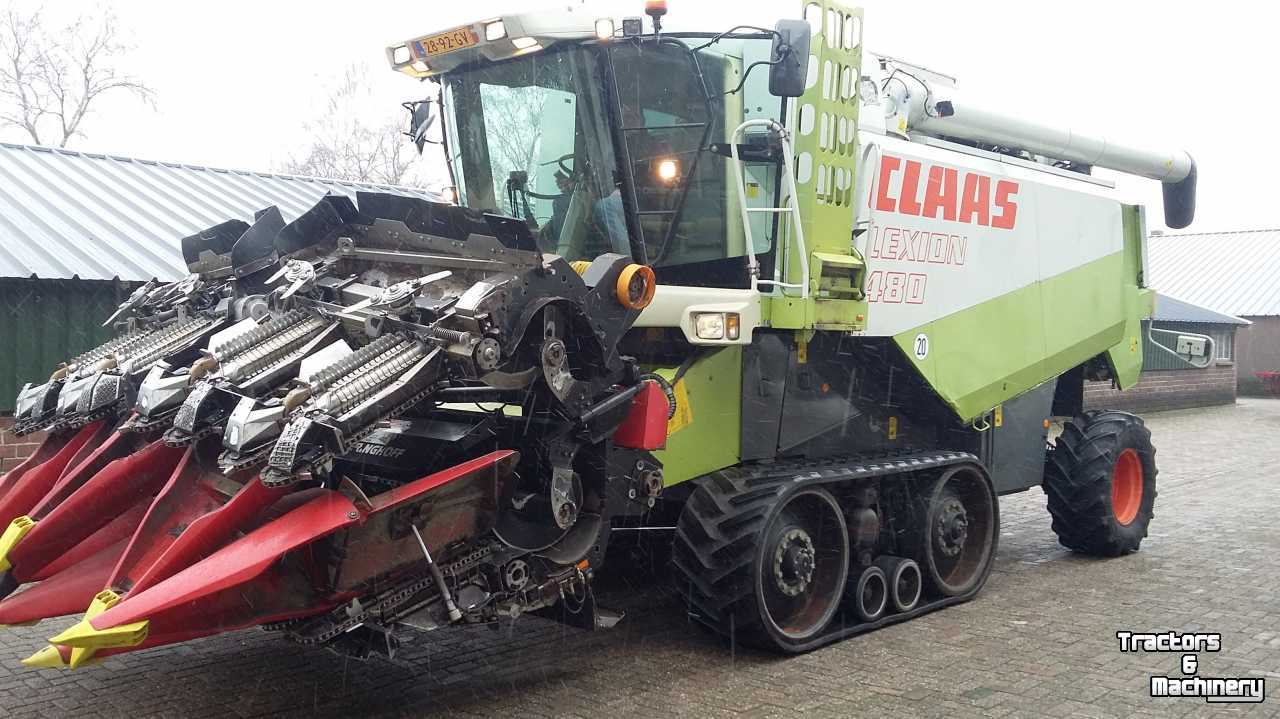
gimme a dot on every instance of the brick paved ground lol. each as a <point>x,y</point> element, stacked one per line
<point>1039,641</point>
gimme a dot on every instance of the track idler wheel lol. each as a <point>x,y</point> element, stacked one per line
<point>868,593</point>
<point>1100,478</point>
<point>957,542</point>
<point>904,582</point>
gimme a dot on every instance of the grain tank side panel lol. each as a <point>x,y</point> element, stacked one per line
<point>991,277</point>
<point>1125,358</point>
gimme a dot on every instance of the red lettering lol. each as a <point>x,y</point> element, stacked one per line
<point>1005,189</point>
<point>888,165</point>
<point>938,248</point>
<point>915,288</point>
<point>957,250</point>
<point>874,289</point>
<point>889,249</point>
<point>941,193</point>
<point>908,242</point>
<point>976,199</point>
<point>894,286</point>
<point>907,202</point>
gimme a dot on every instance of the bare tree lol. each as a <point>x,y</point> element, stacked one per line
<point>513,119</point>
<point>50,82</point>
<point>351,139</point>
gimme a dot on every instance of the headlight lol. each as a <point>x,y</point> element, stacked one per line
<point>668,170</point>
<point>495,30</point>
<point>709,326</point>
<point>717,325</point>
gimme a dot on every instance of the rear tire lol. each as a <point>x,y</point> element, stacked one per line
<point>1100,479</point>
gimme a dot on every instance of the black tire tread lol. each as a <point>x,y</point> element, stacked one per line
<point>715,545</point>
<point>1077,482</point>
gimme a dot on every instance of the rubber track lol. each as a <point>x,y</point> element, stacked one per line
<point>715,545</point>
<point>1077,481</point>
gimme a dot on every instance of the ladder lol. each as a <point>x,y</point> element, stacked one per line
<point>791,210</point>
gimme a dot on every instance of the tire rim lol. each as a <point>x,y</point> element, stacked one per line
<point>961,539</point>
<point>803,565</point>
<point>873,594</point>
<point>1126,487</point>
<point>906,586</point>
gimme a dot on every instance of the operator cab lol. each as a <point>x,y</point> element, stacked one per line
<point>614,141</point>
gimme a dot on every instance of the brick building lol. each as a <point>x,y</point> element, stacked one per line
<point>1168,381</point>
<point>79,231</point>
<point>14,449</point>
<point>1234,273</point>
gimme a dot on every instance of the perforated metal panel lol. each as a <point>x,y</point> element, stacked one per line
<point>826,126</point>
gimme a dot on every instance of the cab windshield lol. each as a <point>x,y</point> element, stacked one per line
<point>623,149</point>
<point>530,138</point>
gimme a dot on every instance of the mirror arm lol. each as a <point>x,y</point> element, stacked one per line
<point>444,146</point>
<point>747,75</point>
<point>730,31</point>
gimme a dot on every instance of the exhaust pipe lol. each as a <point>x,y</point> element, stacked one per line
<point>903,578</point>
<point>868,593</point>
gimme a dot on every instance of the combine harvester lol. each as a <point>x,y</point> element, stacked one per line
<point>803,307</point>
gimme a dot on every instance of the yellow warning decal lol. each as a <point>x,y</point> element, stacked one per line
<point>999,420</point>
<point>893,427</point>
<point>684,411</point>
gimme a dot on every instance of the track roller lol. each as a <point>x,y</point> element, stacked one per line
<point>868,593</point>
<point>903,579</point>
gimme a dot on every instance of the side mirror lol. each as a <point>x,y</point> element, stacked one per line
<point>788,74</point>
<point>422,119</point>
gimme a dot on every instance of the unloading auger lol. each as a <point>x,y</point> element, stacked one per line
<point>348,337</point>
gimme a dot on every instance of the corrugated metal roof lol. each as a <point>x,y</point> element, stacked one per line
<point>70,214</point>
<point>1231,272</point>
<point>1171,309</point>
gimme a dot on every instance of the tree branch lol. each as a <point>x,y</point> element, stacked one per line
<point>57,79</point>
<point>346,143</point>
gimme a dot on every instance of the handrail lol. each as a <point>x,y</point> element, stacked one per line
<point>788,161</point>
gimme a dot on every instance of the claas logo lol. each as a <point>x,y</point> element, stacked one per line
<point>975,199</point>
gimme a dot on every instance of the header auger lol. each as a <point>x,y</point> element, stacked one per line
<point>807,308</point>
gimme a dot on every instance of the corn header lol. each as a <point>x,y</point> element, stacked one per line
<point>801,309</point>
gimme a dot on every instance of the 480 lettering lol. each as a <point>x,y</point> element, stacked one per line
<point>896,287</point>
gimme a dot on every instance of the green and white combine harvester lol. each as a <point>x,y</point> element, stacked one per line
<point>802,310</point>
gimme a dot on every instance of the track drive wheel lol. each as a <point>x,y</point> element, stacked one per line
<point>768,570</point>
<point>1100,478</point>
<point>956,545</point>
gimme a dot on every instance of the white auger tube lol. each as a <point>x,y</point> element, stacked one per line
<point>929,105</point>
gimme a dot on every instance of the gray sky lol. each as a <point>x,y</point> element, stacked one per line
<point>236,80</point>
